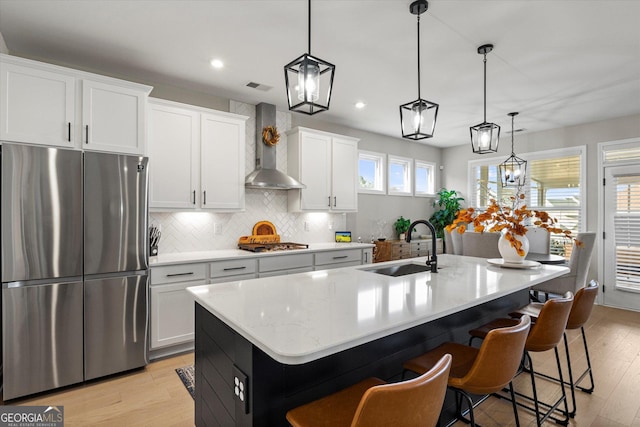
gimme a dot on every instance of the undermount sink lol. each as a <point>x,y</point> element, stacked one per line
<point>400,269</point>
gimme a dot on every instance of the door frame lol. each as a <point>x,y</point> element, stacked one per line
<point>602,148</point>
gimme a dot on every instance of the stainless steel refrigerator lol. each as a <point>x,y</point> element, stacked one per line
<point>74,266</point>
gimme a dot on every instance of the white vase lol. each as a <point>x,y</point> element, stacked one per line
<point>509,253</point>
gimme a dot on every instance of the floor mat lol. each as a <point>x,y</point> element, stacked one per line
<point>188,377</point>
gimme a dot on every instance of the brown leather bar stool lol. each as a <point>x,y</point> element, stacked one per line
<point>578,316</point>
<point>545,334</point>
<point>373,403</point>
<point>475,370</point>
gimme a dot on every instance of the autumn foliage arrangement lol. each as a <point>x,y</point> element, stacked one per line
<point>510,220</point>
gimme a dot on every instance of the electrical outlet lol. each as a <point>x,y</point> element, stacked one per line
<point>306,226</point>
<point>217,229</point>
<point>241,389</point>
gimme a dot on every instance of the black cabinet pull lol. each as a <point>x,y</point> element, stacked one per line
<point>86,131</point>
<point>335,202</point>
<point>341,257</point>
<point>194,197</point>
<point>234,268</point>
<point>180,274</point>
<point>204,194</point>
<point>329,201</point>
<point>69,131</point>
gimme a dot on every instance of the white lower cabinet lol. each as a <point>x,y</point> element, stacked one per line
<point>233,269</point>
<point>172,307</point>
<point>285,264</point>
<point>337,259</point>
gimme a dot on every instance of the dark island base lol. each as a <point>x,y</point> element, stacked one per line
<point>272,388</point>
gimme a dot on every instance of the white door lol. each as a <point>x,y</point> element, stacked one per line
<point>315,172</point>
<point>344,175</point>
<point>113,118</point>
<point>36,106</point>
<point>622,237</point>
<point>174,134</point>
<point>222,162</point>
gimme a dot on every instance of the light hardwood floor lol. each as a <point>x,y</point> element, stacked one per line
<point>155,395</point>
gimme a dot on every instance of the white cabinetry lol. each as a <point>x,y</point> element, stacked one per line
<point>196,157</point>
<point>328,165</point>
<point>336,259</point>
<point>113,117</point>
<point>37,106</point>
<point>279,265</point>
<point>51,105</point>
<point>233,269</point>
<point>172,307</point>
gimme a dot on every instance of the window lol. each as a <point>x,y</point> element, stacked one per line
<point>425,175</point>
<point>400,176</point>
<point>371,172</point>
<point>555,183</point>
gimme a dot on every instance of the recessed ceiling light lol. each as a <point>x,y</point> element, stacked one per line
<point>360,105</point>
<point>216,63</point>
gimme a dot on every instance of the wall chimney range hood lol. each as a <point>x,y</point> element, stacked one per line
<point>266,176</point>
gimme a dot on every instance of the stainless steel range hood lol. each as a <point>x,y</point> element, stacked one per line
<point>266,176</point>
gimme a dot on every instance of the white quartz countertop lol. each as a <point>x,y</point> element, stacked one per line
<point>302,317</point>
<point>204,256</point>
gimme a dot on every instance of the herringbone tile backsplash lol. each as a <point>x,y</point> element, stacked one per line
<point>203,231</point>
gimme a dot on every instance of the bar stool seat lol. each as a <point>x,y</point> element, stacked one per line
<point>545,335</point>
<point>578,316</point>
<point>474,370</point>
<point>374,403</point>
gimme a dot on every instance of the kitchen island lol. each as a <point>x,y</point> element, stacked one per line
<point>264,346</point>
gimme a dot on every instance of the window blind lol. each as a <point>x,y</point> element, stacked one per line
<point>627,232</point>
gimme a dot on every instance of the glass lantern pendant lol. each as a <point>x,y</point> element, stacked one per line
<point>485,136</point>
<point>309,80</point>
<point>418,118</point>
<point>513,171</point>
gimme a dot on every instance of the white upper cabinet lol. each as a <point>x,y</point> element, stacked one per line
<point>327,164</point>
<point>222,162</point>
<point>174,137</point>
<point>36,106</point>
<point>344,173</point>
<point>50,105</point>
<point>113,117</point>
<point>196,158</point>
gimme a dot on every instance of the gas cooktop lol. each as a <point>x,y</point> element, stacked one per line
<point>271,247</point>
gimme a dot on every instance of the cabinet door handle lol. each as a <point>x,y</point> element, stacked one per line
<point>366,257</point>
<point>69,131</point>
<point>329,201</point>
<point>335,202</point>
<point>204,195</point>
<point>180,274</point>
<point>194,197</point>
<point>234,268</point>
<point>341,257</point>
<point>86,132</point>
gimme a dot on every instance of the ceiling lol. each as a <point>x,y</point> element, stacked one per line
<point>557,62</point>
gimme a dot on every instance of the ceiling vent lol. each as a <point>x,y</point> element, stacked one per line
<point>259,86</point>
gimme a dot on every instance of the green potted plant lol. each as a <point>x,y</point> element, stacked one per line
<point>449,204</point>
<point>401,225</point>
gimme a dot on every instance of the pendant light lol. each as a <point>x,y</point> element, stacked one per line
<point>418,118</point>
<point>308,80</point>
<point>513,171</point>
<point>485,136</point>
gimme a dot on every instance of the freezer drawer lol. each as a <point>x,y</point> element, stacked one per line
<point>115,324</point>
<point>42,337</point>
